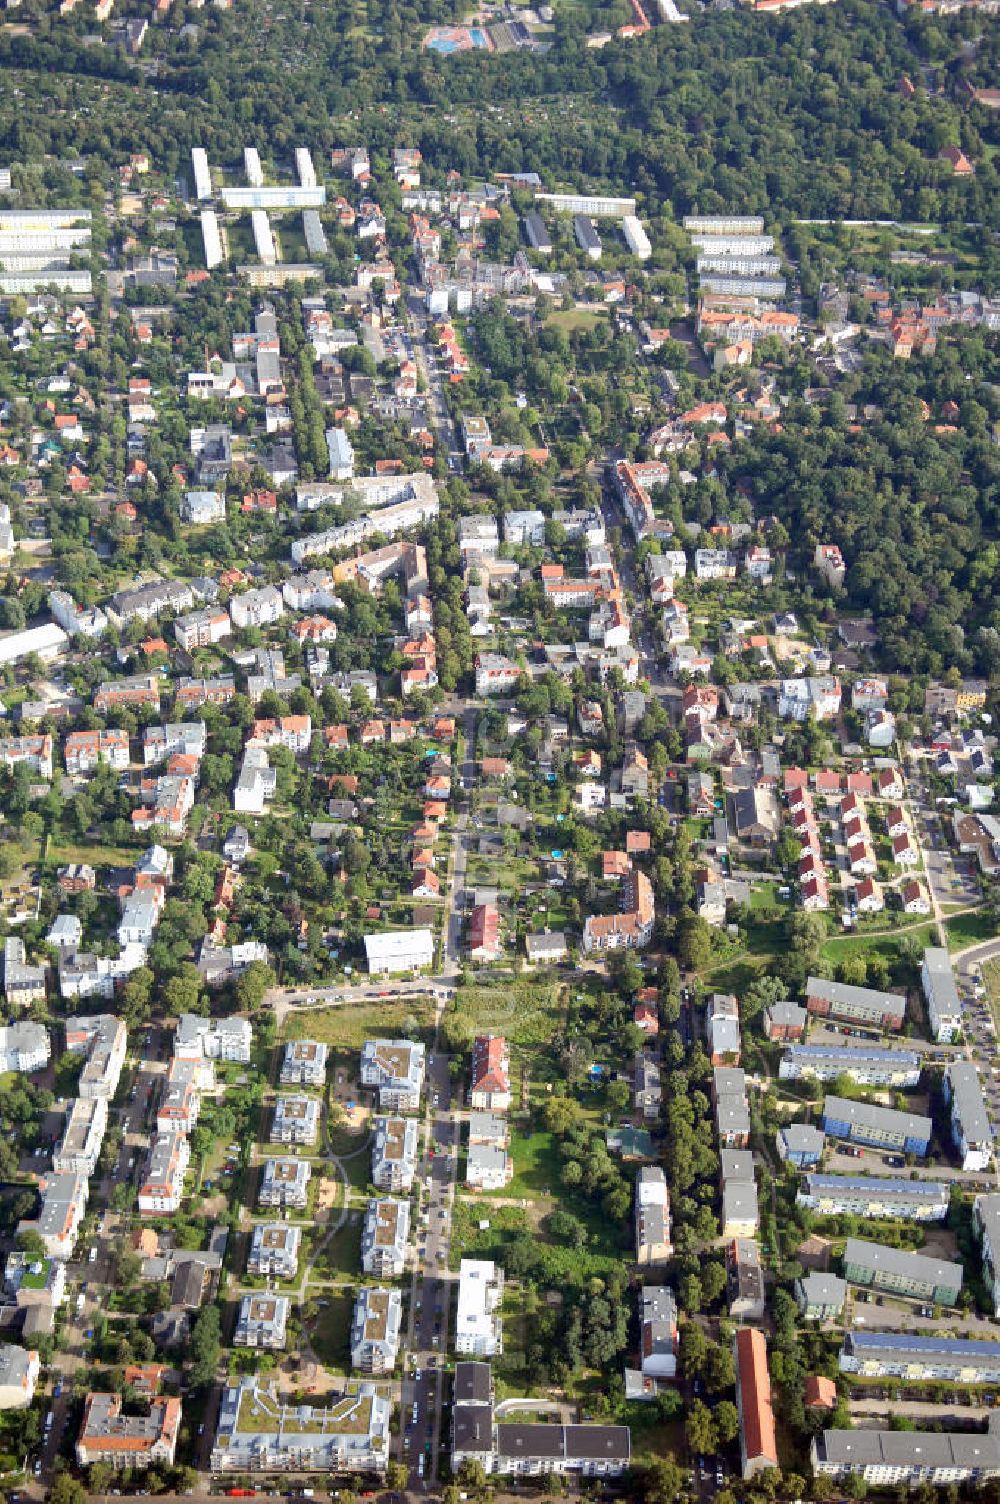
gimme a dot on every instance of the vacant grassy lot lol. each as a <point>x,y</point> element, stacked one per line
<point>528,1013</point>
<point>572,319</point>
<point>346,1028</point>
<point>341,1256</point>
<point>969,929</point>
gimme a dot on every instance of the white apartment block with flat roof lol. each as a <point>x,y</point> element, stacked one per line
<point>262,1321</point>
<point>478,1322</point>
<point>285,1182</point>
<point>304,1063</point>
<point>274,1249</point>
<point>296,1120</point>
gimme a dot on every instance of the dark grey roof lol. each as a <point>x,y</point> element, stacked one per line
<point>472,1382</point>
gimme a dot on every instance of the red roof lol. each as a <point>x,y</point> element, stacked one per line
<point>753,1383</point>
<point>489,1061</point>
<point>484,928</point>
<point>820,1393</point>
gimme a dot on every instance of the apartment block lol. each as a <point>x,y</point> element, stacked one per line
<point>395,1067</point>
<point>971,1129</point>
<point>274,1249</point>
<point>903,1355</point>
<point>875,1197</point>
<point>128,1441</point>
<point>384,1237</point>
<point>898,1272</point>
<point>83,751</point>
<point>394,1153</point>
<point>162,1188</point>
<point>653,1243</point>
<point>295,1121</point>
<point>944,1009</point>
<point>376,1330</point>
<point>259,1432</point>
<point>304,1063</point>
<point>869,1067</point>
<point>200,1038</point>
<point>758,1446</point>
<point>61,1210</point>
<point>80,1146</point>
<point>890,1459</point>
<point>879,1127</point>
<point>847,1004</point>
<point>285,1183</point>
<point>478,1322</point>
<point>262,1321</point>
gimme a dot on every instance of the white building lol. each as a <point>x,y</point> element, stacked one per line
<point>274,1249</point>
<point>341,453</point>
<point>19,1370</point>
<point>257,608</point>
<point>376,1330</point>
<point>24,1047</point>
<point>304,1063</point>
<point>399,950</point>
<point>256,784</point>
<point>478,1322</point>
<point>296,1120</point>
<point>262,1322</point>
<point>395,1067</point>
<point>944,1009</point>
<point>636,238</point>
<point>971,1129</point>
<point>202,176</point>
<point>198,1038</point>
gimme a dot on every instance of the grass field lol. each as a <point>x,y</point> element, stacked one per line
<point>342,1255</point>
<point>331,1333</point>
<point>840,947</point>
<point>969,929</point>
<point>991,981</point>
<point>528,1013</point>
<point>571,319</point>
<point>347,1027</point>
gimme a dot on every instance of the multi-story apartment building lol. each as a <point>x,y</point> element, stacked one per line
<point>495,674</point>
<point>399,950</point>
<point>889,1459</point>
<point>103,1039</point>
<point>489,1089</point>
<point>296,1120</point>
<point>83,751</point>
<point>879,1127</point>
<point>898,1272</point>
<point>875,1197</point>
<point>285,1183</point>
<point>653,1242</point>
<point>24,1047</point>
<point>180,1102</point>
<point>971,1129</point>
<point>394,1153</point>
<point>200,1038</point>
<point>304,1063</point>
<point>128,1441</point>
<point>274,1249</point>
<point>395,1067</point>
<point>376,1329</point>
<point>258,1432</point>
<point>905,1355</point>
<point>22,982</point>
<point>83,1135</point>
<point>478,1322</point>
<point>262,1321</point>
<point>34,752</point>
<point>202,629</point>
<point>162,1187</point>
<point>944,1009</point>
<point>384,1237</point>
<point>62,1209</point>
<point>838,1000</point>
<point>869,1067</point>
<point>758,1445</point>
<point>139,690</point>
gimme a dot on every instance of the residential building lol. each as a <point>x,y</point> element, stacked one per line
<point>986,1220</point>
<point>758,1446</point>
<point>478,1322</point>
<point>488,1167</point>
<point>396,1068</point>
<point>394,1153</point>
<point>162,1188</point>
<point>83,751</point>
<point>24,1047</point>
<point>944,1010</point>
<point>971,1129</point>
<point>632,928</point>
<point>19,1370</point>
<point>744,1281</point>
<point>384,1237</point>
<point>296,1120</point>
<point>285,1183</point>
<point>257,608</point>
<point>399,950</point>
<point>653,1243</point>
<point>912,1356</point>
<point>200,1038</point>
<point>839,1000</point>
<point>376,1329</point>
<point>256,784</point>
<point>204,628</point>
<point>875,1197</point>
<point>722,1025</point>
<point>258,1432</point>
<point>657,1332</point>
<point>62,1207</point>
<point>83,1135</point>
<point>103,1039</point>
<point>484,933</point>
<point>647,1090</point>
<point>274,1249</point>
<point>821,1297</point>
<point>128,1441</point>
<point>878,1127</point>
<point>897,1272</point>
<point>304,1063</point>
<point>22,983</point>
<point>892,1459</point>
<point>784,1022</point>
<point>262,1321</point>
<point>800,1144</point>
<point>869,1067</point>
<point>490,1086</point>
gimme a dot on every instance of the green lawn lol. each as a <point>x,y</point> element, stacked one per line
<point>969,929</point>
<point>536,1165</point>
<point>839,948</point>
<point>342,1254</point>
<point>570,320</point>
<point>330,1334</point>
